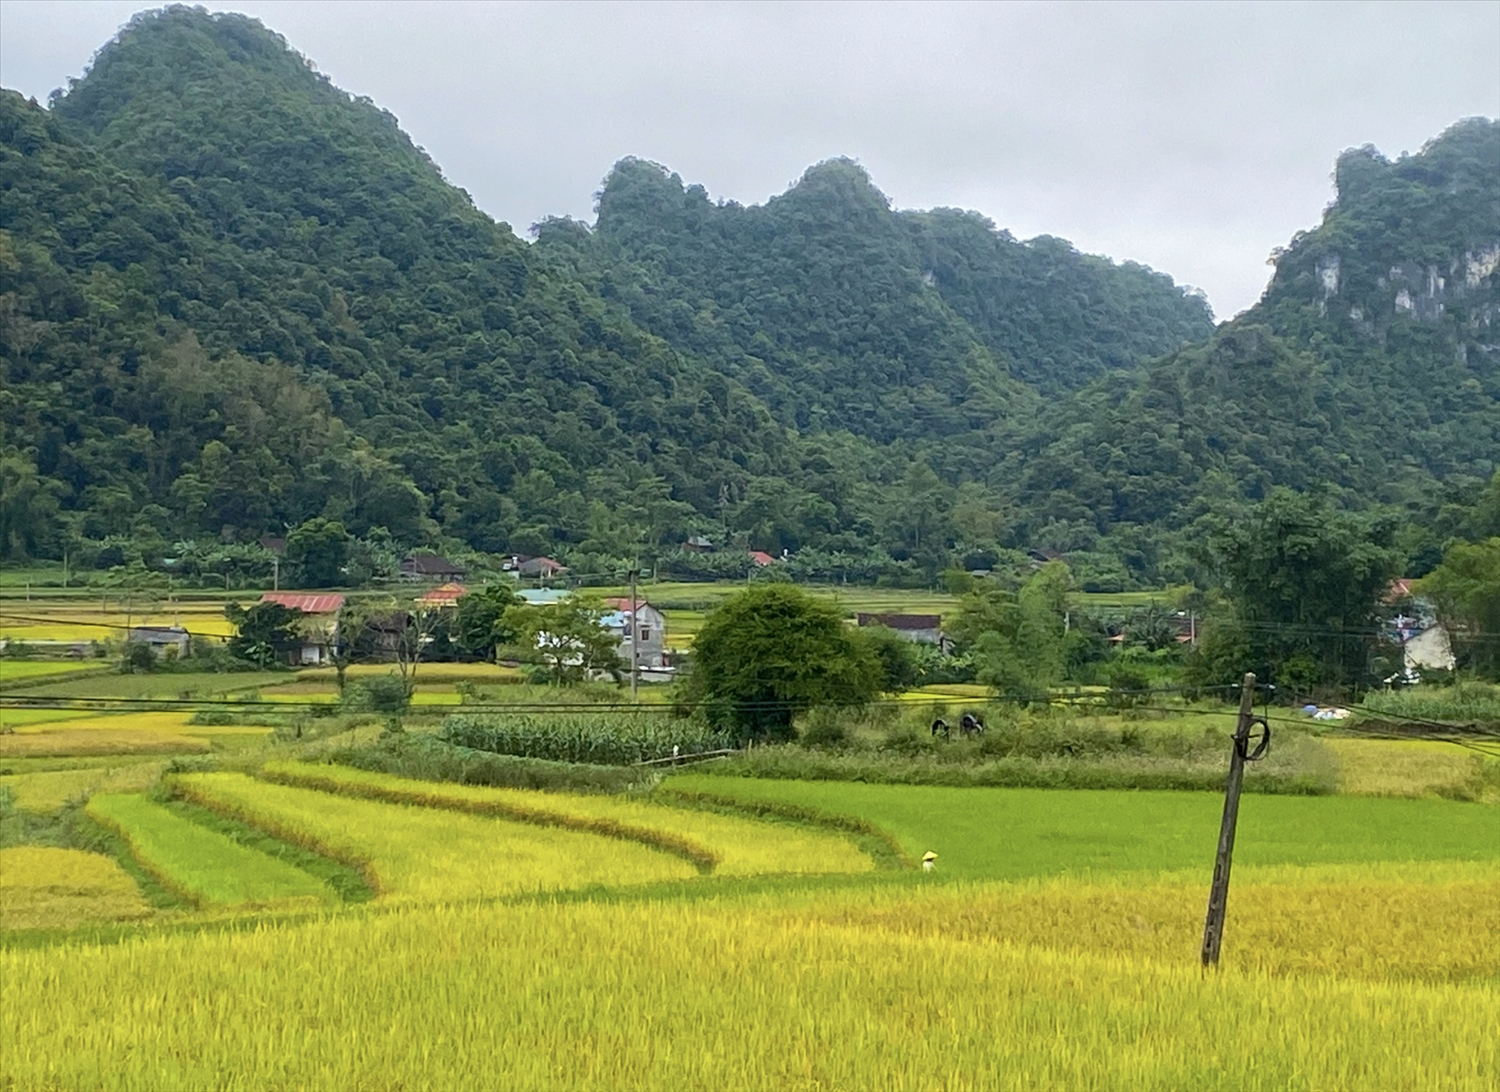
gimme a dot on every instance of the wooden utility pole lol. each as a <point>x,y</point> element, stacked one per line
<point>1218,895</point>
<point>635,636</point>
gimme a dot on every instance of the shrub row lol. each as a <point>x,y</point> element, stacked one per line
<point>1298,768</point>
<point>609,739</point>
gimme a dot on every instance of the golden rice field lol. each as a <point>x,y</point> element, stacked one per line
<point>916,985</point>
<point>83,620</point>
<point>1400,767</point>
<point>42,887</point>
<point>112,734</point>
<point>46,791</point>
<point>735,846</point>
<point>422,854</point>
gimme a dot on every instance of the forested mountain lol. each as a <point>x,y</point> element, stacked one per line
<point>1370,368</point>
<point>234,298</point>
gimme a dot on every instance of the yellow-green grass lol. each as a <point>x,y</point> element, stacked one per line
<point>427,855</point>
<point>14,718</point>
<point>42,887</point>
<point>46,791</point>
<point>1399,767</point>
<point>158,685</point>
<point>734,846</point>
<point>198,864</point>
<point>1016,832</point>
<point>983,987</point>
<point>19,670</point>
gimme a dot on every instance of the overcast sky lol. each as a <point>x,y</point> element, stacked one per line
<point>1191,137</point>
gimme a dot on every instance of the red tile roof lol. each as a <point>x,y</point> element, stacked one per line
<point>306,602</point>
<point>760,557</point>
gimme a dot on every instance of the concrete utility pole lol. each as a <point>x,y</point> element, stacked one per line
<point>1218,895</point>
<point>635,635</point>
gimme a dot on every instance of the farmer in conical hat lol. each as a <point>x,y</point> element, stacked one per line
<point>929,861</point>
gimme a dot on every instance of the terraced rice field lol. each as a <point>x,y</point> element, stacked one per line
<point>1019,833</point>
<point>42,887</point>
<point>735,846</point>
<point>1399,767</point>
<point>201,865</point>
<point>13,671</point>
<point>424,855</point>
<point>114,734</point>
<point>45,791</point>
<point>986,985</point>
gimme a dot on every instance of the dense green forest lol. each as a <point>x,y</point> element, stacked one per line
<point>235,298</point>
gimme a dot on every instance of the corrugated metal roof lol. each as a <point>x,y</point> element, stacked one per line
<point>901,621</point>
<point>306,602</point>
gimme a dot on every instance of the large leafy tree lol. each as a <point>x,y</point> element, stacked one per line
<point>320,550</point>
<point>1466,589</point>
<point>264,633</point>
<point>1305,581</point>
<point>772,651</point>
<point>480,624</point>
<point>1018,639</point>
<point>566,638</point>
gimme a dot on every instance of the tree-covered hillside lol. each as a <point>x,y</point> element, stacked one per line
<point>1371,368</point>
<point>233,299</point>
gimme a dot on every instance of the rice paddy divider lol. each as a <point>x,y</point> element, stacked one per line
<point>696,854</point>
<point>798,813</point>
<point>285,831</point>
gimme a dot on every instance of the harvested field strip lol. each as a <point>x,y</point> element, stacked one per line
<point>45,887</point>
<point>48,791</point>
<point>835,992</point>
<point>198,864</point>
<point>730,845</point>
<point>425,854</point>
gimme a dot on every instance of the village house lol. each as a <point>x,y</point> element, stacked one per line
<point>429,566</point>
<point>320,623</point>
<point>1425,645</point>
<point>651,632</point>
<point>444,597</point>
<point>542,567</point>
<point>170,642</point>
<point>924,629</point>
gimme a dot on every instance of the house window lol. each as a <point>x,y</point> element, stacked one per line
<point>645,633</point>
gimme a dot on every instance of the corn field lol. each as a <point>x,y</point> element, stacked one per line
<point>603,739</point>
